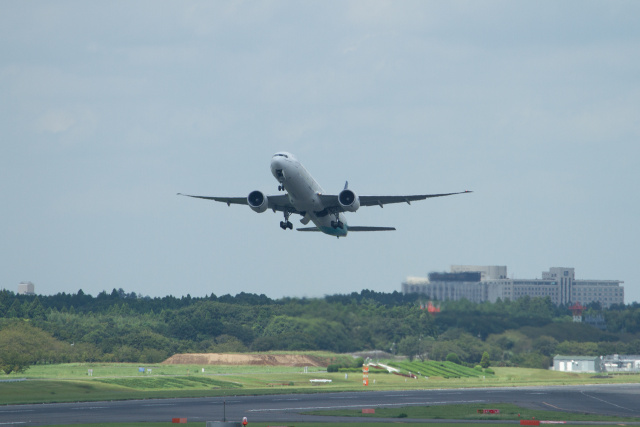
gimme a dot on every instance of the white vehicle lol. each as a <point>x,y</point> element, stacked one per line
<point>304,196</point>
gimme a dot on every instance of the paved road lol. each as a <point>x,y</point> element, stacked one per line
<point>623,400</point>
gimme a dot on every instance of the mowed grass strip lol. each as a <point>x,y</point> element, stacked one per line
<point>154,383</point>
<point>81,370</point>
<point>270,424</point>
<point>57,391</point>
<point>296,424</point>
<point>508,411</point>
<point>53,391</point>
<point>438,369</point>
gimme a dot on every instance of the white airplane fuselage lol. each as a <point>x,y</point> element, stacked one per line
<point>303,192</point>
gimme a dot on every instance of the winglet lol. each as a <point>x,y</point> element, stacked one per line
<point>346,184</point>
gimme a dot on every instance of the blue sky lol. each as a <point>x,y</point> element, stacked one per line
<point>107,110</point>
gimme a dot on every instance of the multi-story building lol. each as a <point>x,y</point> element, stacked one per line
<point>488,283</point>
<point>26,288</point>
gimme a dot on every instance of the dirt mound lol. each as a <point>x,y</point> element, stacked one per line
<point>244,359</point>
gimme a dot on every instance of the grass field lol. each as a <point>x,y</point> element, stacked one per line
<point>80,370</point>
<point>70,382</point>
<point>372,424</point>
<point>357,424</point>
<point>470,412</point>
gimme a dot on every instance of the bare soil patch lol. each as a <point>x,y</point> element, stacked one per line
<point>299,360</point>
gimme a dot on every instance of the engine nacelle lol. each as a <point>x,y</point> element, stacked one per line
<point>257,201</point>
<point>349,200</point>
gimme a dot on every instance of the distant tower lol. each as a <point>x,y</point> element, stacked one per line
<point>577,310</point>
<point>26,288</point>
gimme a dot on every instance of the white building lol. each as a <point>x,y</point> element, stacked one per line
<point>612,363</point>
<point>26,288</point>
<point>490,283</point>
<point>578,364</point>
<point>622,363</point>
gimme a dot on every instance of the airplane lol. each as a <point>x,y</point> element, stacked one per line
<point>304,196</point>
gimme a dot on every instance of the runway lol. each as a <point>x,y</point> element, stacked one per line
<point>621,400</point>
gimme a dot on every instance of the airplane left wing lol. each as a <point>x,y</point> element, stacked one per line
<point>330,201</point>
<point>385,200</point>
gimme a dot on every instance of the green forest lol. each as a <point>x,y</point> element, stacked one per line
<point>126,327</point>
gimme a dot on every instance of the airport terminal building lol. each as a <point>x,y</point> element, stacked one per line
<point>488,283</point>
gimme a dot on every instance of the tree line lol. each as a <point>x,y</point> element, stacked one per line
<point>127,327</point>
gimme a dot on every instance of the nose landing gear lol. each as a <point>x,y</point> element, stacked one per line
<point>280,177</point>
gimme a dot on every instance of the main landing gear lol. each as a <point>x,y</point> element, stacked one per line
<point>337,223</point>
<point>286,223</point>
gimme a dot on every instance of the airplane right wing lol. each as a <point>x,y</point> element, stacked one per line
<point>227,200</point>
<point>279,202</point>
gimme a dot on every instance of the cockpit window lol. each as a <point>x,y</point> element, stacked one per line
<point>281,155</point>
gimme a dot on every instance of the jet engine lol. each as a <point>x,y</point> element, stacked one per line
<point>257,201</point>
<point>348,200</point>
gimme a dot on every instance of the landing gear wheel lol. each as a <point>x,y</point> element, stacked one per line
<point>337,224</point>
<point>286,223</point>
<point>280,187</point>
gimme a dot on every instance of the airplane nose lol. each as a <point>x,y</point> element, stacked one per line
<point>277,165</point>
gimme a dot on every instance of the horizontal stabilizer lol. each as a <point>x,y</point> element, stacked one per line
<point>352,228</point>
<point>357,228</point>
